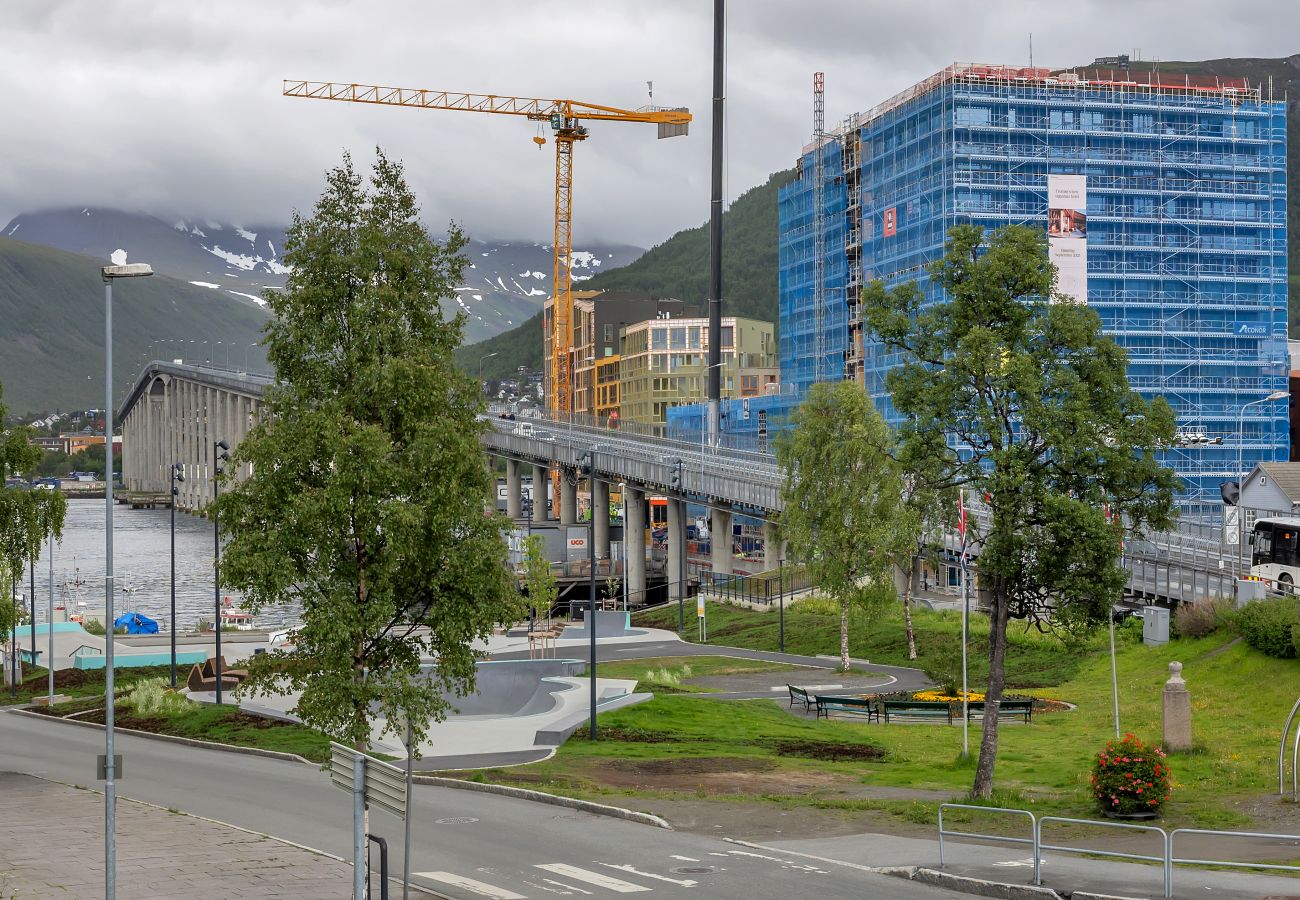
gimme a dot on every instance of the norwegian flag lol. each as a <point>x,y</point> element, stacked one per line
<point>961,529</point>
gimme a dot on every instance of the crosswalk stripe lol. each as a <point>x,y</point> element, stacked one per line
<point>469,884</point>
<point>632,870</point>
<point>596,878</point>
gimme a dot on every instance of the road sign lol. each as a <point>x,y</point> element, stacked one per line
<point>385,784</point>
<point>101,764</point>
<point>744,409</point>
<point>762,430</point>
<point>1232,524</point>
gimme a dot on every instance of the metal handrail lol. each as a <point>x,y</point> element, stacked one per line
<point>1173,860</point>
<point>1032,840</point>
<point>1166,868</point>
<point>1281,755</point>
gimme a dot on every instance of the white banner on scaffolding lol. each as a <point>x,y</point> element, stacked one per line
<point>1067,234</point>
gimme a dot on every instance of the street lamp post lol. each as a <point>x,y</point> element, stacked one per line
<point>622,499</point>
<point>480,367</point>
<point>109,274</point>
<point>585,467</point>
<point>178,475</point>
<point>220,452</point>
<point>1241,474</point>
<point>780,578</point>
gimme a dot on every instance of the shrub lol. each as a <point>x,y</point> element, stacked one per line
<point>93,626</point>
<point>152,697</point>
<point>1129,776</point>
<point>1203,617</point>
<point>1266,625</point>
<point>1295,638</point>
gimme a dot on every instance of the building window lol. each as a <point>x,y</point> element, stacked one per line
<point>972,115</point>
<point>659,339</point>
<point>609,333</point>
<point>728,336</point>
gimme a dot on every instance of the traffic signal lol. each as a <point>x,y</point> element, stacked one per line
<point>677,476</point>
<point>584,465</point>
<point>1231,492</point>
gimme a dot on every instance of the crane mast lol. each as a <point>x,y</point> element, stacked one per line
<point>565,119</point>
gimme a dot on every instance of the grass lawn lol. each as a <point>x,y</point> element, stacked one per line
<point>183,718</point>
<point>681,746</point>
<point>812,628</point>
<point>82,682</point>
<point>668,673</point>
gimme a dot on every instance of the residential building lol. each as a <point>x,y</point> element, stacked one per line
<point>1164,200</point>
<point>607,394</point>
<point>663,363</point>
<point>597,318</point>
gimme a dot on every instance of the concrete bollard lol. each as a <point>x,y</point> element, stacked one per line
<point>1177,710</point>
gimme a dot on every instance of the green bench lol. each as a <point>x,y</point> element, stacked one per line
<point>1007,709</point>
<point>858,706</point>
<point>799,695</point>
<point>928,709</point>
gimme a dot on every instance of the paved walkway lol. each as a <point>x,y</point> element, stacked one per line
<point>52,840</point>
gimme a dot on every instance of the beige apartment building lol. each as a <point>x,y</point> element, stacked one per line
<point>663,362</point>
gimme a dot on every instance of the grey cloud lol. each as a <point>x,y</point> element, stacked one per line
<point>175,108</point>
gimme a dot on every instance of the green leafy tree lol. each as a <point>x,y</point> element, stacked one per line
<point>368,499</point>
<point>844,515</point>
<point>26,517</point>
<point>929,515</point>
<point>539,581</point>
<point>1017,395</point>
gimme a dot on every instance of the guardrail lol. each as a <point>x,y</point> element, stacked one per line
<point>1031,840</point>
<point>1167,859</point>
<point>1166,870</point>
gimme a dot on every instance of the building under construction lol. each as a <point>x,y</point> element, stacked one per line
<point>1164,199</point>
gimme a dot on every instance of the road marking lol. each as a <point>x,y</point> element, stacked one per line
<point>806,687</point>
<point>469,884</point>
<point>683,858</point>
<point>605,881</point>
<point>785,862</point>
<point>684,882</point>
<point>570,887</point>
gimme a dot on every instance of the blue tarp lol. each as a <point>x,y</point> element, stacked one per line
<point>136,623</point>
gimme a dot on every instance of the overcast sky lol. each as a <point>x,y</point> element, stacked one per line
<point>174,108</point>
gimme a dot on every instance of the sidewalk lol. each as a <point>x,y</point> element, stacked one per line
<point>52,848</point>
<point>1065,873</point>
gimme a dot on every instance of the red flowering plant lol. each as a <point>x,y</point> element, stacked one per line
<point>1129,776</point>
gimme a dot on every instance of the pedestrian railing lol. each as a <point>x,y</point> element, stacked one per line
<point>1032,840</point>
<point>1167,858</point>
<point>1163,858</point>
<point>1227,863</point>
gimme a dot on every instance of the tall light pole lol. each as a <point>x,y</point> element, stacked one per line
<point>622,499</point>
<point>585,467</point>
<point>178,475</point>
<point>480,366</point>
<point>1241,474</point>
<point>715,225</point>
<point>220,452</point>
<point>109,274</point>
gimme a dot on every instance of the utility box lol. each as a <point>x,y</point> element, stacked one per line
<point>1155,626</point>
<point>1249,589</point>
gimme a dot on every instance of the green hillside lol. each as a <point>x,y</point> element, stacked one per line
<point>679,267</point>
<point>52,326</point>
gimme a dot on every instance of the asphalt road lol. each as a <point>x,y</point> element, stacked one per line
<point>467,845</point>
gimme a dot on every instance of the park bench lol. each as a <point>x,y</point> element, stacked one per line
<point>1007,709</point>
<point>799,695</point>
<point>204,677</point>
<point>858,706</point>
<point>928,709</point>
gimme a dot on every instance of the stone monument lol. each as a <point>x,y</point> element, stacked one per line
<point>1178,711</point>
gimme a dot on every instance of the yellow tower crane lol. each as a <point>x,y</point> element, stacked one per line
<point>565,118</point>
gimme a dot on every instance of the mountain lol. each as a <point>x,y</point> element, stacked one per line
<point>505,284</point>
<point>52,327</point>
<point>679,267</point>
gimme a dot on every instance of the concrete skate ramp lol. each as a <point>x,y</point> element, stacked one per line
<point>515,687</point>
<point>609,624</point>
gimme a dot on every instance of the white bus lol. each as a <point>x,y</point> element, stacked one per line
<point>1274,556</point>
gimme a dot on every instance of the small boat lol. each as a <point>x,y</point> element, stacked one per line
<point>235,619</point>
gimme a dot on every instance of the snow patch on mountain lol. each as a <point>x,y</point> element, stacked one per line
<point>258,300</point>
<point>250,236</point>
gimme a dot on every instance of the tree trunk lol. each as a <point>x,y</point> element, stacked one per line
<point>844,637</point>
<point>983,787</point>
<point>907,621</point>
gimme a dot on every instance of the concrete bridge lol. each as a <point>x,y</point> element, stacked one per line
<point>176,413</point>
